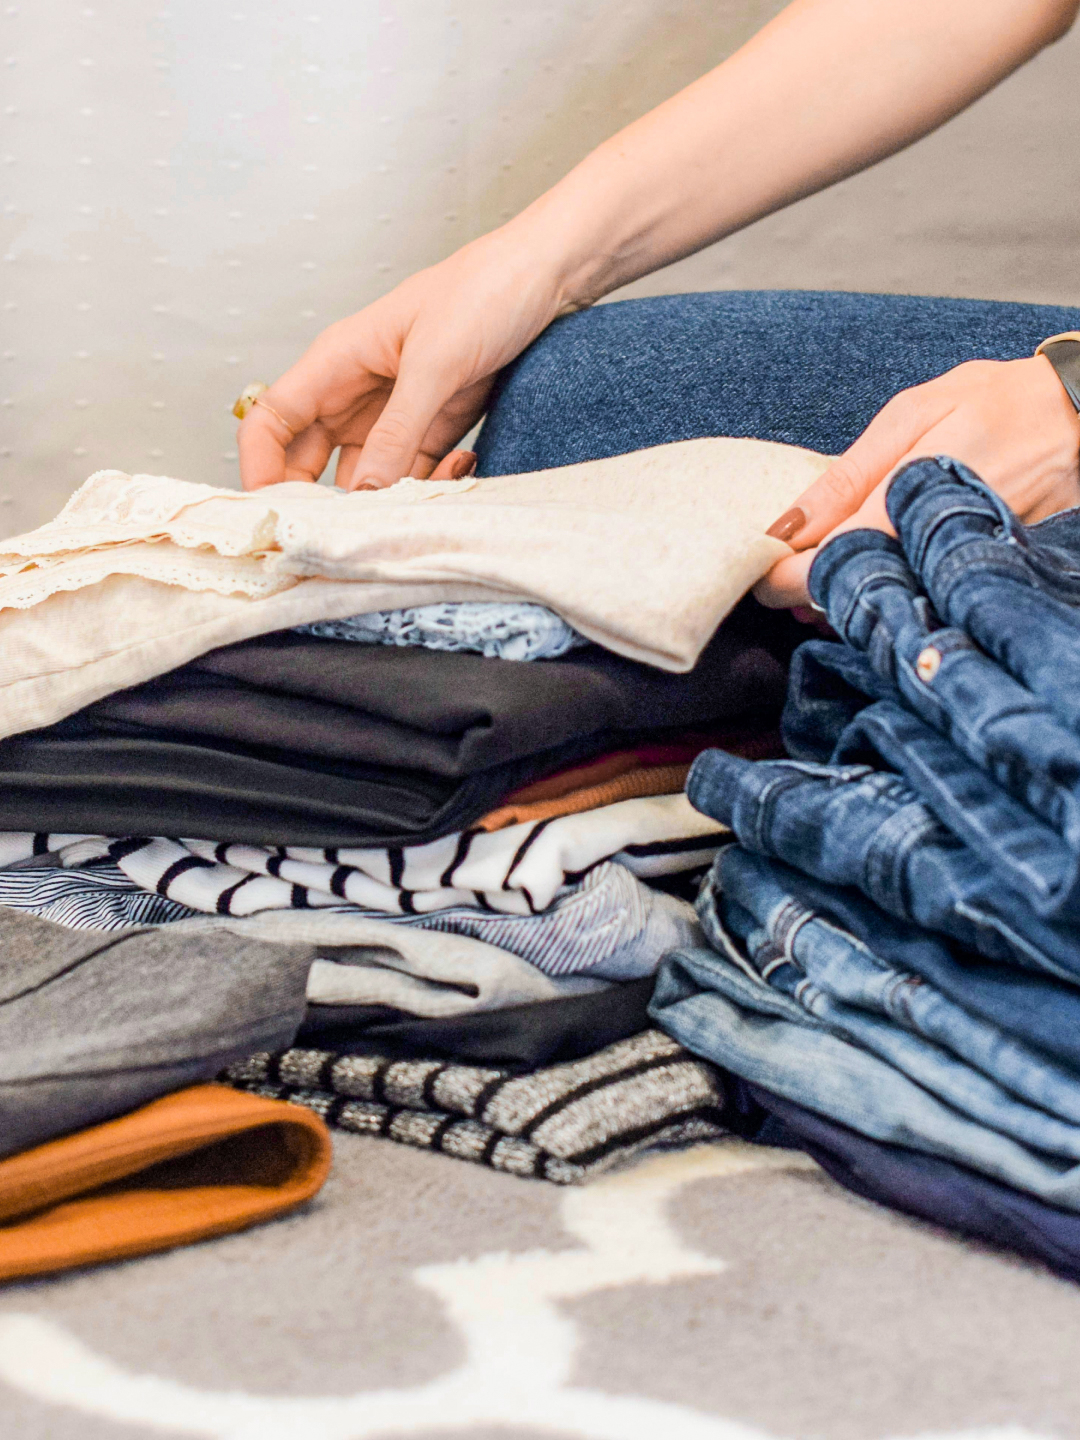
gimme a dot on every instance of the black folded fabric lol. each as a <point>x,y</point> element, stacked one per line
<point>293,740</point>
<point>926,1186</point>
<point>99,785</point>
<point>446,714</point>
<point>519,1037</point>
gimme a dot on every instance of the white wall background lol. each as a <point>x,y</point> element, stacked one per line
<point>190,193</point>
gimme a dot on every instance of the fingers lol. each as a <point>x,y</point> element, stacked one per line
<point>787,583</point>
<point>850,480</point>
<point>265,435</point>
<point>306,457</point>
<point>455,466</point>
<point>397,437</point>
<point>345,476</point>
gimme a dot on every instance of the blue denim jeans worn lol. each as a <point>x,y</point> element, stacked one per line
<point>806,367</point>
<point>853,825</point>
<point>880,1003</point>
<point>714,1005</point>
<point>990,744</point>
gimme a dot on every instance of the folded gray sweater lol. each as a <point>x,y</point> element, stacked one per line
<point>94,1024</point>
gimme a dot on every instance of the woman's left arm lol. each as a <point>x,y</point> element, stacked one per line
<point>1011,421</point>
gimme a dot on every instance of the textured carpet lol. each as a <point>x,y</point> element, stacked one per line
<point>721,1293</point>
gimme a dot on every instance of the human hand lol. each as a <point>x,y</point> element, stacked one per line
<point>1010,421</point>
<point>400,382</point>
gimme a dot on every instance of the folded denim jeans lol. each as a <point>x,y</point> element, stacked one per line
<point>879,1003</point>
<point>986,575</point>
<point>1041,1012</point>
<point>1022,853</point>
<point>716,1009</point>
<point>998,581</point>
<point>997,761</point>
<point>855,826</point>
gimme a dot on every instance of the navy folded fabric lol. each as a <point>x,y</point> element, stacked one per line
<point>926,1186</point>
<point>519,1037</point>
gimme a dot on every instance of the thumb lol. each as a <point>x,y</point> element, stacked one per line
<point>395,439</point>
<point>853,477</point>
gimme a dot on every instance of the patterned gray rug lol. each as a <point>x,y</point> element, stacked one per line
<point>720,1293</point>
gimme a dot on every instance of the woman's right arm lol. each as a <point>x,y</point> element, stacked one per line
<point>826,89</point>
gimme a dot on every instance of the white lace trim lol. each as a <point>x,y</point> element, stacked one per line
<point>166,563</point>
<point>113,509</point>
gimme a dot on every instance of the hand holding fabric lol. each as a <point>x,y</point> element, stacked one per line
<point>1010,421</point>
<point>825,89</point>
<point>399,383</point>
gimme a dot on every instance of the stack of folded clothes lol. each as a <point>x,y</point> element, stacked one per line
<point>895,961</point>
<point>425,748</point>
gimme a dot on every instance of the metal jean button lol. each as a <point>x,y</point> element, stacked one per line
<point>928,663</point>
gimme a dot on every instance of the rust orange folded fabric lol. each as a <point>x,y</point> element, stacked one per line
<point>752,743</point>
<point>625,775</point>
<point>633,785</point>
<point>201,1162</point>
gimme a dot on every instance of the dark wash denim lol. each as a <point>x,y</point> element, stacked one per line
<point>991,744</point>
<point>856,826</point>
<point>806,367</point>
<point>787,933</point>
<point>809,368</point>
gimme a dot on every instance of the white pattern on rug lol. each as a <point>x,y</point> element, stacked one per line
<point>520,1346</point>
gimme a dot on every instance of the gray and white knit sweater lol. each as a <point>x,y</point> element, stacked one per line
<point>566,1123</point>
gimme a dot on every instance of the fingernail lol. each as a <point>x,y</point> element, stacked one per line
<point>788,526</point>
<point>464,465</point>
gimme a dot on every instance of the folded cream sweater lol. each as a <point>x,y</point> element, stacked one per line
<point>644,553</point>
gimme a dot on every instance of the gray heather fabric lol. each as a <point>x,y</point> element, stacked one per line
<point>92,1024</point>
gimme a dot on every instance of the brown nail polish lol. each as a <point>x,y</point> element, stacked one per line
<point>464,465</point>
<point>788,526</point>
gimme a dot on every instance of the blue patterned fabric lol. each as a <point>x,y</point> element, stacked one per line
<point>503,630</point>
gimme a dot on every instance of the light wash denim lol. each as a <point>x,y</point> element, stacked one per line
<point>800,949</point>
<point>712,1005</point>
<point>1041,1012</point>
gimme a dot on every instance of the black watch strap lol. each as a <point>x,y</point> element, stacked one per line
<point>1063,352</point>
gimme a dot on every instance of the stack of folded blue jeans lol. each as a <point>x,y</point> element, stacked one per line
<point>897,930</point>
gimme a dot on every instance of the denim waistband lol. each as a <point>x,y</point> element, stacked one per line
<point>964,565</point>
<point>1002,771</point>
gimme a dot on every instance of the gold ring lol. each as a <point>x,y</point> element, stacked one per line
<point>250,396</point>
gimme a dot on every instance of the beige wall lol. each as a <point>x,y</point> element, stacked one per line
<point>191,190</point>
